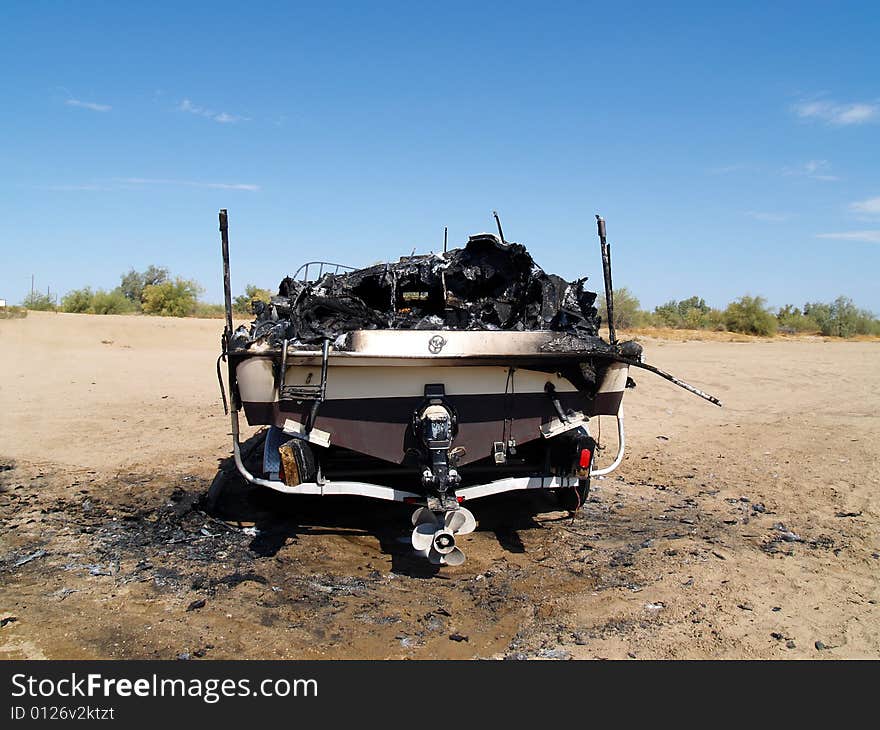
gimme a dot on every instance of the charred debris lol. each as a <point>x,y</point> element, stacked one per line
<point>487,285</point>
<point>490,284</point>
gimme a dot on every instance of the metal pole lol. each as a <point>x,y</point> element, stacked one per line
<point>671,378</point>
<point>606,271</point>
<point>227,289</point>
<point>498,223</point>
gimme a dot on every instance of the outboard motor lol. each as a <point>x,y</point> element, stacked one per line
<point>435,424</point>
<point>435,526</point>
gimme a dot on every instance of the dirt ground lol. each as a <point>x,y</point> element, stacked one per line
<point>743,532</point>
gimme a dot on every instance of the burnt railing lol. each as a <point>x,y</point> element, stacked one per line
<point>322,267</point>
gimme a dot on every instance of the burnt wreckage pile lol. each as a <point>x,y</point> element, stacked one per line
<point>487,285</point>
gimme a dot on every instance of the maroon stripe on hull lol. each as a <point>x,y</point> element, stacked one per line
<point>607,404</point>
<point>380,427</point>
<point>260,414</point>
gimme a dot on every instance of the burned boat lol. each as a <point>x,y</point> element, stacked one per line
<point>435,380</point>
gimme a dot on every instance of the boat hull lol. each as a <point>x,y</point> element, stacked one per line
<point>370,402</point>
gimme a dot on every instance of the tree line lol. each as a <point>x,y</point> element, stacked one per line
<point>747,315</point>
<point>154,291</point>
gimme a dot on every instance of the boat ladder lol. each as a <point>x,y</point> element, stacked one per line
<point>315,392</point>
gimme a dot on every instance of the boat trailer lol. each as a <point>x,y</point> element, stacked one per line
<point>440,516</point>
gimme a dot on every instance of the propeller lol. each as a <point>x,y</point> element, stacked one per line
<point>434,534</point>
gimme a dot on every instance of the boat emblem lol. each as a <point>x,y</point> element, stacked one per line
<point>436,343</point>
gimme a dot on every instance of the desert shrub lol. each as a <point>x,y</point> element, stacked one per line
<point>134,282</point>
<point>841,318</point>
<point>627,312</point>
<point>714,320</point>
<point>39,302</point>
<point>750,315</point>
<point>832,317</point>
<point>820,313</point>
<point>132,286</point>
<point>792,319</point>
<point>13,312</point>
<point>844,318</point>
<point>698,303</point>
<point>209,311</point>
<point>667,315</point>
<point>77,301</point>
<point>694,319</point>
<point>177,298</point>
<point>649,319</point>
<point>867,323</point>
<point>111,302</point>
<point>242,303</point>
<point>689,313</point>
<point>97,302</point>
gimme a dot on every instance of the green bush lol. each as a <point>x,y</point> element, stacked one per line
<point>698,303</point>
<point>627,312</point>
<point>242,304</point>
<point>714,320</point>
<point>648,319</point>
<point>97,302</point>
<point>177,298</point>
<point>689,313</point>
<point>750,316</point>
<point>667,315</point>
<point>78,301</point>
<point>111,302</point>
<point>134,282</point>
<point>209,311</point>
<point>844,318</point>
<point>39,302</point>
<point>694,319</point>
<point>867,323</point>
<point>792,319</point>
<point>841,318</point>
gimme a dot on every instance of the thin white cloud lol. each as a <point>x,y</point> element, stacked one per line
<point>128,182</point>
<point>813,169</point>
<point>867,236</point>
<point>190,183</point>
<point>187,106</point>
<point>768,217</point>
<point>727,169</point>
<point>225,118</point>
<point>837,114</point>
<point>88,105</point>
<point>222,117</point>
<point>871,206</point>
<point>86,187</point>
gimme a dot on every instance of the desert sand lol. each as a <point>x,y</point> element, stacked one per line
<point>749,531</point>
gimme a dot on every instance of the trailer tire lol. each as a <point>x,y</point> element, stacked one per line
<point>298,462</point>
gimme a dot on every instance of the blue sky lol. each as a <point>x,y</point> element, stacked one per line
<point>732,149</point>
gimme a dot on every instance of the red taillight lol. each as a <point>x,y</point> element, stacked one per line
<point>584,462</point>
<point>459,499</point>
